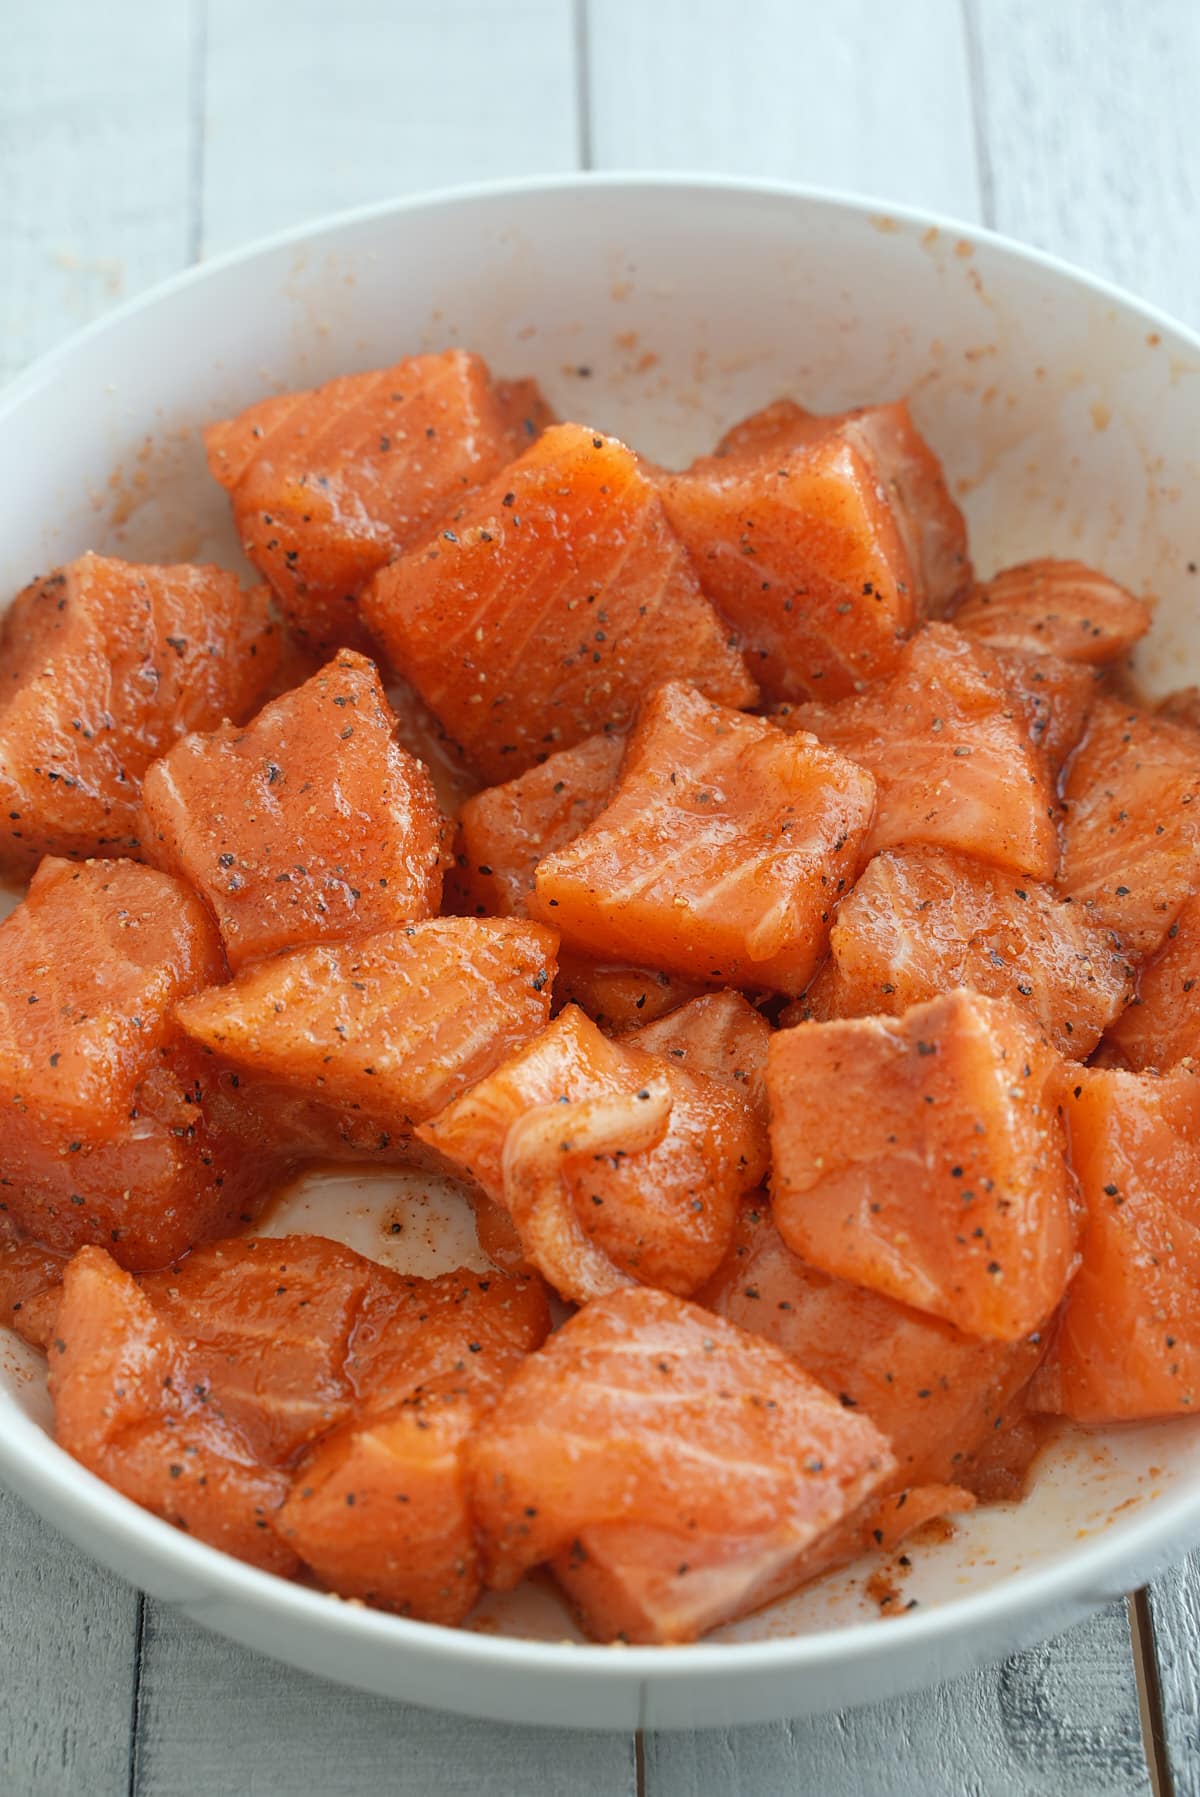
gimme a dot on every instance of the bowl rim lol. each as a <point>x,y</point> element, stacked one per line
<point>833,199</point>
<point>59,1487</point>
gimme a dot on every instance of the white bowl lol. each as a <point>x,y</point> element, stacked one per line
<point>661,309</point>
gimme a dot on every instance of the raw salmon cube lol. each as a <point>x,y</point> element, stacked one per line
<point>1161,1026</point>
<point>228,1365</point>
<point>719,1034</point>
<point>312,824</point>
<point>940,1397</point>
<point>418,731</point>
<point>30,1283</point>
<point>548,604</point>
<point>104,665</point>
<point>132,1406</point>
<point>104,1133</point>
<point>951,757</point>
<point>304,1344</point>
<point>616,995</point>
<point>1053,696</point>
<point>497,1234</point>
<point>615,1164</point>
<point>923,1157</point>
<point>270,1323</point>
<point>382,1032</point>
<point>923,921</point>
<point>1181,706</point>
<point>1131,843</point>
<point>931,526</point>
<point>672,1468</point>
<point>1053,607</point>
<point>381,1511</point>
<point>805,558</point>
<point>721,852</point>
<point>297,1335</point>
<point>770,432</point>
<point>526,412</point>
<point>506,830</point>
<point>326,486</point>
<point>1129,1343</point>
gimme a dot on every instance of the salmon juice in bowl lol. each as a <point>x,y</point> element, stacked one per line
<point>599,1041</point>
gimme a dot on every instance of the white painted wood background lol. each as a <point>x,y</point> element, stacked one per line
<point>137,135</point>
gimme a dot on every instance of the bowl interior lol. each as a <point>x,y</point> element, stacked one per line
<point>1066,418</point>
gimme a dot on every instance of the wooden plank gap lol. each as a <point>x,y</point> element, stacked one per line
<point>979,113</point>
<point>583,82</point>
<point>197,102</point>
<point>1150,1697</point>
<point>639,1762</point>
<point>135,1703</point>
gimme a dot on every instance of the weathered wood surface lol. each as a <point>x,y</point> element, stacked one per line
<point>67,1639</point>
<point>135,137</point>
<point>1059,1721</point>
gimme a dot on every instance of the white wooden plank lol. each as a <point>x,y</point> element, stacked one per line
<point>1060,1720</point>
<point>95,133</point>
<point>1086,115</point>
<point>67,1633</point>
<point>218,1720</point>
<point>311,108</point>
<point>95,123</point>
<point>1088,110</point>
<point>856,95</point>
<point>307,111</point>
<point>1175,1615</point>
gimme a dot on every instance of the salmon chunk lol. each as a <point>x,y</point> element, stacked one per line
<point>298,1335</point>
<point>506,830</point>
<point>105,1134</point>
<point>196,1393</point>
<point>804,556</point>
<point>616,995</point>
<point>923,921</point>
<point>271,1323</point>
<point>1059,608</point>
<point>718,1034</point>
<point>526,412</point>
<point>30,1283</point>
<point>615,1164</point>
<point>380,1509</point>
<point>103,665</point>
<point>923,1157</point>
<point>418,731</point>
<point>131,1404</point>
<point>1161,1026</point>
<point>940,1397</point>
<point>721,852</point>
<point>377,1034</point>
<point>548,604</point>
<point>312,824</point>
<point>1053,696</point>
<point>1129,1343</point>
<point>674,1470</point>
<point>906,471</point>
<point>950,756</point>
<point>327,485</point>
<point>375,1379</point>
<point>770,432</point>
<point>1131,842</point>
<point>1181,707</point>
